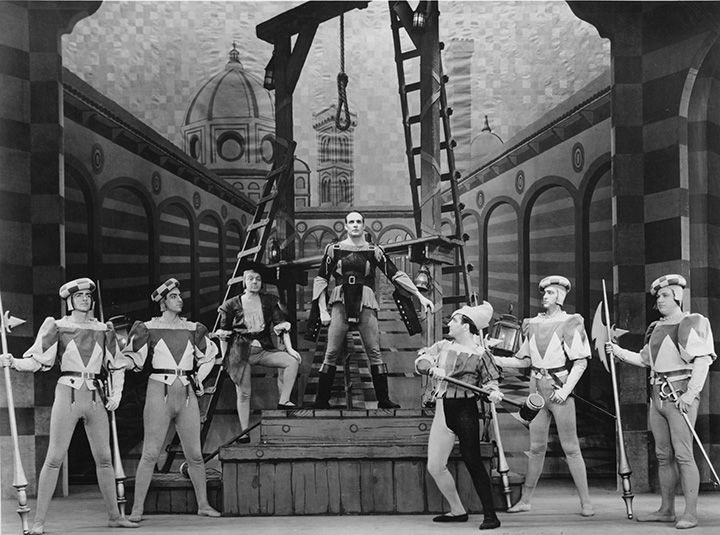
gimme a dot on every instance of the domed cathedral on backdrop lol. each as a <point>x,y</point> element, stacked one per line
<point>136,147</point>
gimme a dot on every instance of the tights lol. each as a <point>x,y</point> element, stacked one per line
<point>674,444</point>
<point>157,415</point>
<point>63,418</point>
<point>287,371</point>
<point>367,327</point>
<point>564,414</point>
<point>458,417</point>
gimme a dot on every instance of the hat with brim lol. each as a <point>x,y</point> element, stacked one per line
<point>164,289</point>
<point>675,282</point>
<point>480,315</point>
<point>69,288</point>
<point>248,265</point>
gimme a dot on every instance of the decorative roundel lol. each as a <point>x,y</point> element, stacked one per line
<point>338,226</point>
<point>97,158</point>
<point>480,199</point>
<point>578,157</point>
<point>197,201</point>
<point>267,148</point>
<point>230,146</point>
<point>223,211</point>
<point>377,225</point>
<point>243,220</point>
<point>156,183</point>
<point>301,227</point>
<point>520,182</point>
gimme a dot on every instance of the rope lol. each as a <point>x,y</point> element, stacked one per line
<point>342,117</point>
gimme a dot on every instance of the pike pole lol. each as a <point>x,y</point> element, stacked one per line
<point>19,479</point>
<point>117,460</point>
<point>624,470</point>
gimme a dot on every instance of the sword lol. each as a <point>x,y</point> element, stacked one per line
<point>673,395</point>
<point>117,460</point>
<point>19,479</point>
<point>624,470</point>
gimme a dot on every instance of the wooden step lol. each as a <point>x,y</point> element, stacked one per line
<point>352,427</point>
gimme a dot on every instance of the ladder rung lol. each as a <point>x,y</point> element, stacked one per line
<point>445,177</point>
<point>248,252</point>
<point>173,448</point>
<point>410,54</point>
<point>454,299</point>
<point>414,119</point>
<point>416,151</point>
<point>452,269</point>
<point>445,208</point>
<point>234,280</point>
<point>275,172</point>
<point>444,144</point>
<point>409,88</point>
<point>268,197</point>
<point>257,225</point>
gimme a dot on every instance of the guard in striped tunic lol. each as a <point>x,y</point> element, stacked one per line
<point>181,355</point>
<point>87,351</point>
<point>678,349</point>
<point>552,341</point>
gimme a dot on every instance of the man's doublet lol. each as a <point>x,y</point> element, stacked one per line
<point>182,345</point>
<point>549,341</point>
<point>673,346</point>
<point>474,367</point>
<point>86,347</point>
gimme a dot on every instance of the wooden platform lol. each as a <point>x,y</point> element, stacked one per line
<point>343,462</point>
<point>173,493</point>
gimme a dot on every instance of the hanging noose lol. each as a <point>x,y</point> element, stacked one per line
<point>342,117</point>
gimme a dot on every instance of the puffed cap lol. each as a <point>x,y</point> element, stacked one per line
<point>557,280</point>
<point>69,288</point>
<point>165,288</point>
<point>667,280</point>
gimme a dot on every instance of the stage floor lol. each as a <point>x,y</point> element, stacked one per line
<point>555,512</point>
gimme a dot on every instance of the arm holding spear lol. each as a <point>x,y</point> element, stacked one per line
<point>19,479</point>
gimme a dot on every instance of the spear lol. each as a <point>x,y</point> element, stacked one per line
<point>19,479</point>
<point>117,460</point>
<point>624,470</point>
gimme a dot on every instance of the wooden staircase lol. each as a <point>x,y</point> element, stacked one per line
<point>361,461</point>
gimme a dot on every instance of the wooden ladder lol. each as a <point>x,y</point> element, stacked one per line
<point>256,237</point>
<point>401,15</point>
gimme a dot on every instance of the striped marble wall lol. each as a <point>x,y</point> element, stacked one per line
<point>211,285</point>
<point>126,268</point>
<point>551,243</point>
<point>501,249</point>
<point>177,250</point>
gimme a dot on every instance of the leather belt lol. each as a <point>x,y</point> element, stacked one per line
<point>676,375</point>
<point>82,375</point>
<point>547,372</point>
<point>171,371</point>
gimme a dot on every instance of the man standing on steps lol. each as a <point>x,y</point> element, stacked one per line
<point>352,302</point>
<point>248,321</point>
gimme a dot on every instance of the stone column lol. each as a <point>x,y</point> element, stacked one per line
<point>32,248</point>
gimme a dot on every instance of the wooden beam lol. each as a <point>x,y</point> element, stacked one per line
<point>299,55</point>
<point>305,15</point>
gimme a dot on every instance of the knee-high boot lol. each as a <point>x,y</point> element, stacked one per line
<point>325,382</point>
<point>380,382</point>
